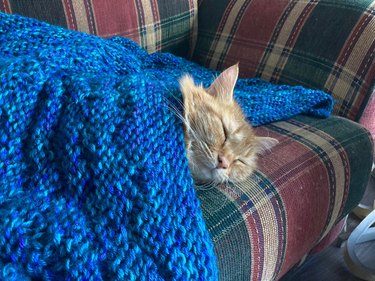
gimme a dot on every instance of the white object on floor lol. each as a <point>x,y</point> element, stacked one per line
<point>362,233</point>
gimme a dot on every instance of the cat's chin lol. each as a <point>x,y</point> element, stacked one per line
<point>214,176</point>
<point>219,176</point>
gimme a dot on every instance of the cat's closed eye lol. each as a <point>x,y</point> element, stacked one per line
<point>240,161</point>
<point>225,131</point>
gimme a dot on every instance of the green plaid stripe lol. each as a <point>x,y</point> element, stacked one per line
<point>355,83</point>
<point>226,31</point>
<point>302,189</point>
<point>244,207</point>
<point>209,20</point>
<point>313,56</point>
<point>51,11</point>
<point>170,28</point>
<point>176,37</point>
<point>280,50</point>
<point>228,231</point>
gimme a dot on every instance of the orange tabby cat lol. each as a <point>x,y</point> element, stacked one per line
<point>221,145</point>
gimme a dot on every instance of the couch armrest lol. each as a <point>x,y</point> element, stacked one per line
<point>327,45</point>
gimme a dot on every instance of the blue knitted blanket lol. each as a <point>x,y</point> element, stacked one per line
<point>94,183</point>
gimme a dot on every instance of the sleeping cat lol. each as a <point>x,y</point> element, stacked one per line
<point>221,145</point>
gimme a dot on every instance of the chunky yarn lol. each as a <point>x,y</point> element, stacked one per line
<point>94,182</point>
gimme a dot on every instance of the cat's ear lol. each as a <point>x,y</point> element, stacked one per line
<point>223,85</point>
<point>264,144</point>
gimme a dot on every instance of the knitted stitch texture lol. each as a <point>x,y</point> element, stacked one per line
<point>94,182</point>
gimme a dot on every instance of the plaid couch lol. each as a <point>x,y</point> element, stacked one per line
<point>297,199</point>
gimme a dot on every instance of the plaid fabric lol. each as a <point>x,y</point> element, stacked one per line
<point>368,117</point>
<point>321,44</point>
<point>318,172</point>
<point>154,24</point>
<point>304,187</point>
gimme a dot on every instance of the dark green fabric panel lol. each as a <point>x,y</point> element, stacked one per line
<point>208,26</point>
<point>303,69</point>
<point>175,26</point>
<point>321,40</point>
<point>358,146</point>
<point>216,11</point>
<point>216,207</point>
<point>175,36</point>
<point>171,8</point>
<point>229,233</point>
<point>234,254</point>
<point>51,11</point>
<point>327,28</point>
<point>179,49</point>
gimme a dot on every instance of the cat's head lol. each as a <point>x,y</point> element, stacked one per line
<point>221,145</point>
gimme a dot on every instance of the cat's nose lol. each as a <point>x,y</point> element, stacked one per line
<point>223,162</point>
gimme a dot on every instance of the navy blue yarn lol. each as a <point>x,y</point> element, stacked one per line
<point>94,182</point>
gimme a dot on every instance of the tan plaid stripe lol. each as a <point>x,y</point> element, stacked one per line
<point>150,22</point>
<point>82,21</point>
<point>256,212</point>
<point>229,23</point>
<point>293,19</point>
<point>268,214</point>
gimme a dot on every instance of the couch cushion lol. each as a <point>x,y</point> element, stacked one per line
<point>327,45</point>
<point>155,25</point>
<point>303,188</point>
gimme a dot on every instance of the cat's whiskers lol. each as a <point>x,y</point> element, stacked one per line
<point>171,93</point>
<point>177,98</point>
<point>175,111</point>
<point>205,160</point>
<point>206,152</point>
<point>170,105</point>
<point>206,186</point>
<point>207,149</point>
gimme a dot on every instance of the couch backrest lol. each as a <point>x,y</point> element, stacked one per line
<point>154,24</point>
<point>324,44</point>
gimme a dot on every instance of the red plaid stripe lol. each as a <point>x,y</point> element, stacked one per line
<point>4,6</point>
